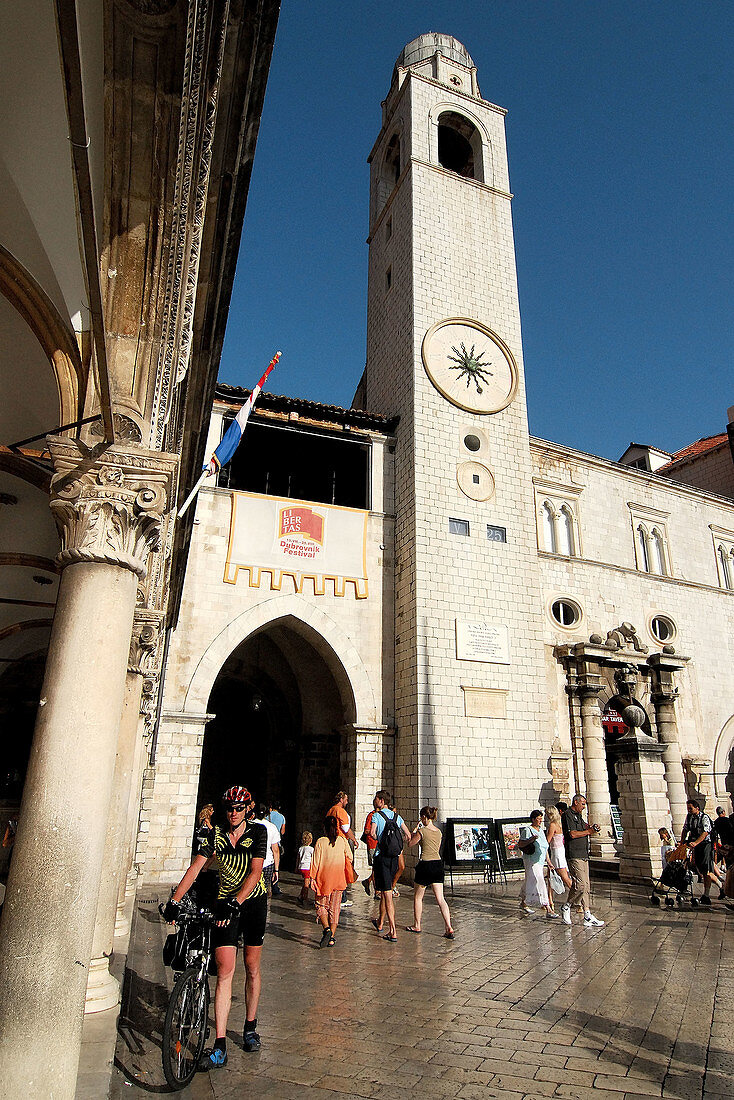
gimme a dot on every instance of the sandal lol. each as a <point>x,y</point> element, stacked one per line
<point>377,924</point>
<point>409,928</point>
<point>325,937</point>
<point>331,942</point>
<point>448,935</point>
<point>390,939</point>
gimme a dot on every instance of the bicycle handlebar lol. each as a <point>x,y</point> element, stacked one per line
<point>189,912</point>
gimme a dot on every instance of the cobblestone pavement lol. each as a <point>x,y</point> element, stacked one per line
<point>515,1007</point>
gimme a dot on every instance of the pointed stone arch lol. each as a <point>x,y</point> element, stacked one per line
<point>318,628</point>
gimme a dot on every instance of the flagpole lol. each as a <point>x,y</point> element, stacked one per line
<point>223,453</point>
<point>184,507</point>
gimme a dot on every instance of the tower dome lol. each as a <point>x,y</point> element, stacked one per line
<point>426,45</point>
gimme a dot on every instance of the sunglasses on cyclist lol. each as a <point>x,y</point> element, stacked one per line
<point>229,806</point>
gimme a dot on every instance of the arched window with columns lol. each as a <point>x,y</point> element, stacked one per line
<point>557,524</point>
<point>726,559</point>
<point>657,553</point>
<point>565,531</point>
<point>548,517</point>
<point>643,560</point>
<point>652,553</point>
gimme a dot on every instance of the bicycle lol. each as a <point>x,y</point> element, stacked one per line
<point>186,1026</point>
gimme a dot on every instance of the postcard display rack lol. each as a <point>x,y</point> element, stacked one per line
<point>472,844</point>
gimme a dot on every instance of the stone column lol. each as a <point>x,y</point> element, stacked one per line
<point>108,504</point>
<point>129,881</point>
<point>643,803</point>
<point>595,764</point>
<point>367,765</point>
<point>102,988</point>
<point>560,767</point>
<point>664,696</point>
<point>576,777</point>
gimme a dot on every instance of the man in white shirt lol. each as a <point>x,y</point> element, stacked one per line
<point>271,865</point>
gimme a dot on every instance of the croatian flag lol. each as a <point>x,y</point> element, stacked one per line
<point>233,435</point>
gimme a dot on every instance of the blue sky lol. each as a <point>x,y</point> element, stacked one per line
<point>621,150</point>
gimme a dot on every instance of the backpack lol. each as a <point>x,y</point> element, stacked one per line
<point>390,841</point>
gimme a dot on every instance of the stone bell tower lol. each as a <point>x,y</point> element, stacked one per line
<point>444,352</point>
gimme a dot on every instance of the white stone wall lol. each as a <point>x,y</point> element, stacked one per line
<point>605,582</point>
<point>215,617</point>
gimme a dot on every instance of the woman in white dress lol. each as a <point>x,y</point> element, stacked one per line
<point>556,847</point>
<point>534,848</point>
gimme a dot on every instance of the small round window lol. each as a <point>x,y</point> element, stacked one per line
<point>472,442</point>
<point>663,629</point>
<point>566,612</point>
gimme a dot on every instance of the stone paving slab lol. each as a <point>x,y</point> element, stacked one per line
<point>515,1007</point>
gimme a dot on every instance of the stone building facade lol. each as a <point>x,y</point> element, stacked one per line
<point>530,620</point>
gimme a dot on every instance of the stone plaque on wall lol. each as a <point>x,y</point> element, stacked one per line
<point>482,641</point>
<point>484,702</point>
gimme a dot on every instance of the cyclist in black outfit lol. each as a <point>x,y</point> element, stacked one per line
<point>238,852</point>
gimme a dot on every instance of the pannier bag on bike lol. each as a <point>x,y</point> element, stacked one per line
<point>175,948</point>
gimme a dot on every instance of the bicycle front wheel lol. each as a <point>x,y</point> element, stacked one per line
<point>185,1029</point>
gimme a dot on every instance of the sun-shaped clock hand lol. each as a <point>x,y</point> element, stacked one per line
<point>470,365</point>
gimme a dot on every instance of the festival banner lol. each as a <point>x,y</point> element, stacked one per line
<point>272,538</point>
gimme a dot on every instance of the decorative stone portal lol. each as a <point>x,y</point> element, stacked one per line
<point>278,728</point>
<point>619,766</point>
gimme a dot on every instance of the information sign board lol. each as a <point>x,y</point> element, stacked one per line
<point>482,641</point>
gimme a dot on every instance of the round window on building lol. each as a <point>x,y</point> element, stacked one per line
<point>472,442</point>
<point>566,613</point>
<point>662,628</point>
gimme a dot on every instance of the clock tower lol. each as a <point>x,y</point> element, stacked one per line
<point>444,352</point>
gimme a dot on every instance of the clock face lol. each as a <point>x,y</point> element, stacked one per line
<point>470,365</point>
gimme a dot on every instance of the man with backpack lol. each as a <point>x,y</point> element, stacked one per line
<point>697,836</point>
<point>390,831</point>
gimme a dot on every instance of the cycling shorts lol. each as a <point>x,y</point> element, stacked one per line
<point>250,925</point>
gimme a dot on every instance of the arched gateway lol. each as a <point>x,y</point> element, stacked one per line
<point>279,700</point>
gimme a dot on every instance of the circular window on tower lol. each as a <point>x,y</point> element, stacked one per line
<point>663,629</point>
<point>566,612</point>
<point>473,440</point>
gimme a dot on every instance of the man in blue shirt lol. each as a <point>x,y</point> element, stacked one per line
<point>385,863</point>
<point>276,818</point>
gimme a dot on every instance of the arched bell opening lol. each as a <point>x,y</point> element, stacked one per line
<point>460,146</point>
<point>389,172</point>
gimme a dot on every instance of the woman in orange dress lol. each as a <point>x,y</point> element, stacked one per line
<point>330,876</point>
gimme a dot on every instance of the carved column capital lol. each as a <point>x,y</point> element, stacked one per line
<point>109,502</point>
<point>585,684</point>
<point>664,694</point>
<point>146,634</point>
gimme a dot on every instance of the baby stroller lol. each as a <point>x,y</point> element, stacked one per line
<point>676,876</point>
